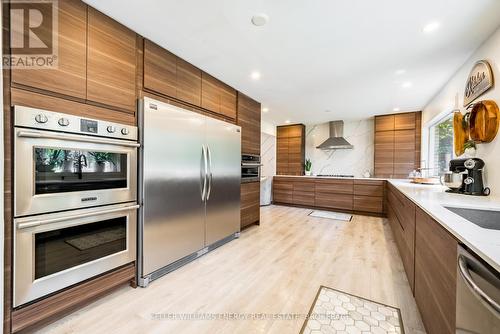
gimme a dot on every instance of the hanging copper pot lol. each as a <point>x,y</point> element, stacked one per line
<point>460,131</point>
<point>484,121</point>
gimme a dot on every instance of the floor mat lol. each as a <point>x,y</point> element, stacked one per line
<point>331,215</point>
<point>335,311</point>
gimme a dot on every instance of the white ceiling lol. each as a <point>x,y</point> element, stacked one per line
<point>318,55</point>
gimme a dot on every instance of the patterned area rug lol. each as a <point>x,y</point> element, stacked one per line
<point>331,215</point>
<point>337,312</point>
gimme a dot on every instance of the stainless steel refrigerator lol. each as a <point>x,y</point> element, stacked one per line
<point>189,187</point>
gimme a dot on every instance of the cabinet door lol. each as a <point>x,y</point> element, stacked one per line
<point>435,275</point>
<point>282,156</point>
<point>188,83</point>
<point>228,102</point>
<point>369,204</point>
<point>160,69</point>
<point>384,123</point>
<point>210,93</point>
<point>303,192</point>
<point>404,152</point>
<point>296,155</point>
<point>384,154</point>
<point>250,203</point>
<point>69,78</point>
<point>111,62</point>
<point>406,121</point>
<point>282,191</point>
<point>249,120</point>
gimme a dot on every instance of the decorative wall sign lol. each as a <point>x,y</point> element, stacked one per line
<point>479,81</point>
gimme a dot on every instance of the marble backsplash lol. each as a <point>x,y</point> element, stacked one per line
<point>346,161</point>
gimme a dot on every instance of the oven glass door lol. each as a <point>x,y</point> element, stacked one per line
<point>56,250</point>
<point>61,170</point>
<point>56,172</point>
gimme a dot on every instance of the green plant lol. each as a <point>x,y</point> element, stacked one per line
<point>101,157</point>
<point>308,165</point>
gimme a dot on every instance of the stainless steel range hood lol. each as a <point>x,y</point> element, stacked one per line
<point>336,140</point>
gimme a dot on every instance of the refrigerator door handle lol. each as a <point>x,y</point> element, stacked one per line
<point>203,173</point>
<point>209,155</point>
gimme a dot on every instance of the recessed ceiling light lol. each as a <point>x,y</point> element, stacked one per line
<point>431,27</point>
<point>328,110</point>
<point>255,75</point>
<point>288,121</point>
<point>407,84</point>
<point>265,109</point>
<point>396,109</point>
<point>260,19</point>
<point>401,71</point>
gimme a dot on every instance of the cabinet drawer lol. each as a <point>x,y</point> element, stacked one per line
<point>368,204</point>
<point>283,197</point>
<point>307,186</point>
<point>334,201</point>
<point>282,186</point>
<point>303,198</point>
<point>333,186</point>
<point>369,190</point>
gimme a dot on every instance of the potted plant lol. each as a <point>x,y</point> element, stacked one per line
<point>308,166</point>
<point>100,160</point>
<point>470,149</point>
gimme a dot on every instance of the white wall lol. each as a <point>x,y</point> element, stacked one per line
<point>452,94</point>
<point>351,162</point>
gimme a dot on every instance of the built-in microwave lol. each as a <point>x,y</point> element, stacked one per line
<point>250,168</point>
<point>65,162</point>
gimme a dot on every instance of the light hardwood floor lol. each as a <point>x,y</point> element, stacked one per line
<point>276,268</point>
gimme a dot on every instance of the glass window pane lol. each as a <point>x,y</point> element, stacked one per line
<point>69,247</point>
<point>440,146</point>
<point>59,170</point>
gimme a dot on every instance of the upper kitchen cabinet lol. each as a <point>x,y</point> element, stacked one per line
<point>290,147</point>
<point>69,78</point>
<point>217,97</point>
<point>249,120</point>
<point>111,62</point>
<point>384,123</point>
<point>406,121</point>
<point>188,82</point>
<point>160,69</point>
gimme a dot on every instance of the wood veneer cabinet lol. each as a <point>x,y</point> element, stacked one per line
<point>250,203</point>
<point>435,275</point>
<point>290,149</point>
<point>160,69</point>
<point>397,144</point>
<point>249,120</point>
<point>217,97</point>
<point>69,78</point>
<point>111,62</point>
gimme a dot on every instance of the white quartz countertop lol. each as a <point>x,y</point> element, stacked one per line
<point>333,177</point>
<point>433,199</point>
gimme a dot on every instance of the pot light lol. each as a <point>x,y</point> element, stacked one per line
<point>431,27</point>
<point>265,109</point>
<point>260,19</point>
<point>396,109</point>
<point>288,121</point>
<point>255,75</point>
<point>328,110</point>
<point>400,72</point>
<point>407,84</point>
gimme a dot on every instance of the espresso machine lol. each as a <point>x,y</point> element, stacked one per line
<point>466,177</point>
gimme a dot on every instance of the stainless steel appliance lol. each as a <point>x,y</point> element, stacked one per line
<point>189,187</point>
<point>471,172</point>
<point>250,167</point>
<point>56,250</point>
<point>478,295</point>
<point>65,162</point>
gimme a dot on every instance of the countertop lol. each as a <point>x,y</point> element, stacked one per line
<point>333,177</point>
<point>433,198</point>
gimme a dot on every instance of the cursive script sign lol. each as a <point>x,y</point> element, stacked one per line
<point>479,81</point>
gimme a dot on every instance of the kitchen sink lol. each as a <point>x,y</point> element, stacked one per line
<point>484,218</point>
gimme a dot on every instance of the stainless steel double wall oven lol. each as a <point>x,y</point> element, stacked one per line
<point>75,200</point>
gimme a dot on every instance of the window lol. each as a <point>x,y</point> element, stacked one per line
<point>440,145</point>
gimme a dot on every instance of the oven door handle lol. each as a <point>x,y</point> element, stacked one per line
<point>492,305</point>
<point>21,226</point>
<point>37,134</point>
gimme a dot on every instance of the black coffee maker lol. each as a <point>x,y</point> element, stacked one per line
<point>471,170</point>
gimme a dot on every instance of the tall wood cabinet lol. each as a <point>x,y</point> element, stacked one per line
<point>290,149</point>
<point>249,120</point>
<point>397,144</point>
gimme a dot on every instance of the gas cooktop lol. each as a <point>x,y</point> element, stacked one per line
<point>335,175</point>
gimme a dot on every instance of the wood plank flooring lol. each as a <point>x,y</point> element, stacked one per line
<point>275,268</point>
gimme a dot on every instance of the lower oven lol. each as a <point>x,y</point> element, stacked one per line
<point>250,168</point>
<point>54,251</point>
<point>478,295</point>
<point>66,162</point>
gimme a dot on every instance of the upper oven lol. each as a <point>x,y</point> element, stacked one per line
<point>65,162</point>
<point>250,168</point>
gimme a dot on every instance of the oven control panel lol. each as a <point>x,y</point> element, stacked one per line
<point>53,121</point>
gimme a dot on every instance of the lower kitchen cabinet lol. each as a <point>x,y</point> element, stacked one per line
<point>250,203</point>
<point>435,275</point>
